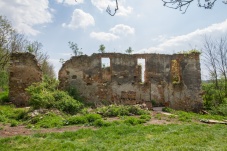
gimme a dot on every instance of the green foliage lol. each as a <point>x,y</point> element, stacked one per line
<point>92,117</point>
<point>193,51</point>
<point>4,79</point>
<point>102,48</point>
<point>10,114</point>
<point>66,103</point>
<point>120,110</point>
<point>101,123</point>
<point>134,120</point>
<point>167,109</point>
<point>215,99</point>
<point>184,116</point>
<point>13,123</point>
<point>129,50</point>
<point>190,116</point>
<point>46,95</point>
<point>41,100</point>
<point>221,109</point>
<point>126,137</point>
<point>48,120</point>
<point>4,97</point>
<point>73,92</point>
<point>88,119</point>
<point>74,120</point>
<point>213,96</point>
<point>145,117</point>
<point>74,47</point>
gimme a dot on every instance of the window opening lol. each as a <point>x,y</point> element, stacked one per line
<point>141,62</point>
<point>105,62</point>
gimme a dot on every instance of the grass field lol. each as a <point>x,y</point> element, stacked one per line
<point>177,131</point>
<point>125,137</point>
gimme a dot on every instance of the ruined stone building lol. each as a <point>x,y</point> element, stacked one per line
<point>24,71</point>
<point>170,80</point>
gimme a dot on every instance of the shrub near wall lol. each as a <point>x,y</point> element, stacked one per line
<point>46,95</point>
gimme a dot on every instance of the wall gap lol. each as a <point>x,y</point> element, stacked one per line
<point>141,62</point>
<point>105,62</point>
<point>106,72</point>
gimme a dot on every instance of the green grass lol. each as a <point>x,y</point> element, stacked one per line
<point>127,133</point>
<point>125,137</point>
<point>190,116</point>
<point>12,115</point>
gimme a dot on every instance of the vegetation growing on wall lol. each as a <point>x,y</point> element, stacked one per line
<point>175,71</point>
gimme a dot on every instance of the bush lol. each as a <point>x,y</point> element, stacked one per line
<point>12,115</point>
<point>89,119</point>
<point>136,110</point>
<point>92,117</point>
<point>46,95</point>
<point>213,96</point>
<point>19,114</point>
<point>4,97</point>
<point>42,100</point>
<point>66,103</point>
<point>13,123</point>
<point>145,117</point>
<point>167,109</point>
<point>120,110</point>
<point>220,110</point>
<point>73,92</point>
<point>48,120</point>
<point>76,120</point>
<point>134,121</point>
<point>101,122</point>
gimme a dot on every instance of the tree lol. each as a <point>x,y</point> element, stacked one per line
<point>35,48</point>
<point>75,48</point>
<point>48,69</point>
<point>129,50</point>
<point>11,41</point>
<point>182,5</point>
<point>102,48</point>
<point>215,57</point>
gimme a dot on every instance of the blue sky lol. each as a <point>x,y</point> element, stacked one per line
<point>145,25</point>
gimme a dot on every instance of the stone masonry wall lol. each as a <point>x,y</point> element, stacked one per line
<point>24,71</point>
<point>170,80</point>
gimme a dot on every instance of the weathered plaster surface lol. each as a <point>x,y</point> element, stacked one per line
<point>24,71</point>
<point>170,80</point>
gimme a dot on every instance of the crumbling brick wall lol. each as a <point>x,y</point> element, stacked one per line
<point>170,80</point>
<point>24,71</point>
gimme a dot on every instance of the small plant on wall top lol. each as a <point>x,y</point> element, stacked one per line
<point>190,52</point>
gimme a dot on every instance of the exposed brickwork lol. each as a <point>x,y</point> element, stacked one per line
<point>171,80</point>
<point>24,71</point>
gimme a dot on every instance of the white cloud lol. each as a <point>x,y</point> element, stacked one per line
<point>102,36</point>
<point>80,19</point>
<point>70,2</point>
<point>122,29</point>
<point>114,33</point>
<point>195,38</point>
<point>25,14</point>
<point>160,38</point>
<point>103,4</point>
<point>124,11</point>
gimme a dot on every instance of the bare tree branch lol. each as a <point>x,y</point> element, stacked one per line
<point>177,4</point>
<point>108,10</point>
<point>184,4</point>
